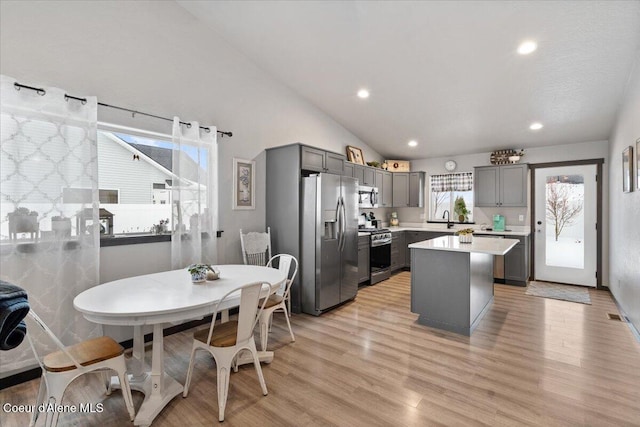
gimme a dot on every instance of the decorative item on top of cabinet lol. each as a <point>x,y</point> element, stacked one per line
<point>506,157</point>
<point>354,154</point>
<point>398,165</point>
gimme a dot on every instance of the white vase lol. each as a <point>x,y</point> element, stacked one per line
<point>465,238</point>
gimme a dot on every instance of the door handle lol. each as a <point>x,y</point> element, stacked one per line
<point>343,227</point>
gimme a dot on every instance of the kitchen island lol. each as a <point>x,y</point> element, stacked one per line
<point>452,282</point>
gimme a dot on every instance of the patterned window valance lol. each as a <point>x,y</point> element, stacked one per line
<point>452,182</point>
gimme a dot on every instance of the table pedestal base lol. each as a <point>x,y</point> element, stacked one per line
<point>154,402</point>
<point>263,356</point>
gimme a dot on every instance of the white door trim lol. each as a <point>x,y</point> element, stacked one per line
<point>599,168</point>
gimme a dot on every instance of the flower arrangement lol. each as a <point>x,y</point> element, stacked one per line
<point>465,231</point>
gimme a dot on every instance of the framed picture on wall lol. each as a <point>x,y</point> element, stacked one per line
<point>244,184</point>
<point>627,169</point>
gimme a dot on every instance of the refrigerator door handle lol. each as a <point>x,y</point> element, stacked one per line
<point>339,216</point>
<point>343,224</point>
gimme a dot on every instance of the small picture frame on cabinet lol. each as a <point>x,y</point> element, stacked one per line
<point>354,155</point>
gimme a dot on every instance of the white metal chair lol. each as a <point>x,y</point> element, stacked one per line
<point>256,247</point>
<point>281,299</point>
<point>225,340</point>
<point>61,367</point>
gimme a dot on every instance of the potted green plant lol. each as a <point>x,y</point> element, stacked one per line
<point>199,272</point>
<point>22,220</point>
<point>460,209</point>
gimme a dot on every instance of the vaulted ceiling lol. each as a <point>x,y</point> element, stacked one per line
<point>445,74</point>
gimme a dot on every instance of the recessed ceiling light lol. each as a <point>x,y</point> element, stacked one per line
<point>535,126</point>
<point>412,143</point>
<point>527,47</point>
<point>363,93</point>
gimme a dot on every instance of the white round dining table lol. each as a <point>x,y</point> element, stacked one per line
<point>159,298</point>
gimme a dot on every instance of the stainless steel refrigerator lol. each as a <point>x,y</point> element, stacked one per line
<point>329,241</point>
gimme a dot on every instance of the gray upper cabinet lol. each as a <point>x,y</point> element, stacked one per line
<point>416,189</point>
<point>316,160</point>
<point>364,174</point>
<point>384,182</point>
<point>503,186</point>
<point>349,170</point>
<point>334,163</point>
<point>400,189</point>
<point>312,159</point>
<point>408,189</point>
<point>369,176</point>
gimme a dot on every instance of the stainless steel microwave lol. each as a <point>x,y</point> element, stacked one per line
<point>367,197</point>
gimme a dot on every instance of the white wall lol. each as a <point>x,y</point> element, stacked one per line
<point>156,57</point>
<point>624,208</point>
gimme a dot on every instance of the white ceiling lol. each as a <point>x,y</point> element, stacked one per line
<point>445,73</point>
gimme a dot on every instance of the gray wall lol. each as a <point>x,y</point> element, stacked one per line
<point>624,208</point>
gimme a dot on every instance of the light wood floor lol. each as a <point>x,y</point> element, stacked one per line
<point>532,361</point>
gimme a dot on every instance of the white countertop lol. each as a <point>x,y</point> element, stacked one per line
<point>442,228</point>
<point>484,245</point>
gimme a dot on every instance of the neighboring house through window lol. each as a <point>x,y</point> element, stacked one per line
<point>142,169</point>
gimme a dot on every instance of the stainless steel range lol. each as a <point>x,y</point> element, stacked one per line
<point>380,255</point>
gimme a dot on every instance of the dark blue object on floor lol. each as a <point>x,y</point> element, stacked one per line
<point>14,306</point>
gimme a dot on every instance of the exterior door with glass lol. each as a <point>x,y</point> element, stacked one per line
<point>565,224</point>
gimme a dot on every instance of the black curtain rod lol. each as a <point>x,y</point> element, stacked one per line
<point>42,92</point>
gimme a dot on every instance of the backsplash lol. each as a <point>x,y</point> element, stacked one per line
<point>480,215</point>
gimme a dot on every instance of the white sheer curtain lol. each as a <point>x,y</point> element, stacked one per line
<point>49,216</point>
<point>194,195</point>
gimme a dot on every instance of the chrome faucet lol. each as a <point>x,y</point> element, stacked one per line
<point>449,223</point>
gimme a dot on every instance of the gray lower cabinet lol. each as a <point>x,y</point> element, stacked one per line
<point>418,236</point>
<point>364,269</point>
<point>502,186</point>
<point>516,263</point>
<point>398,250</point>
